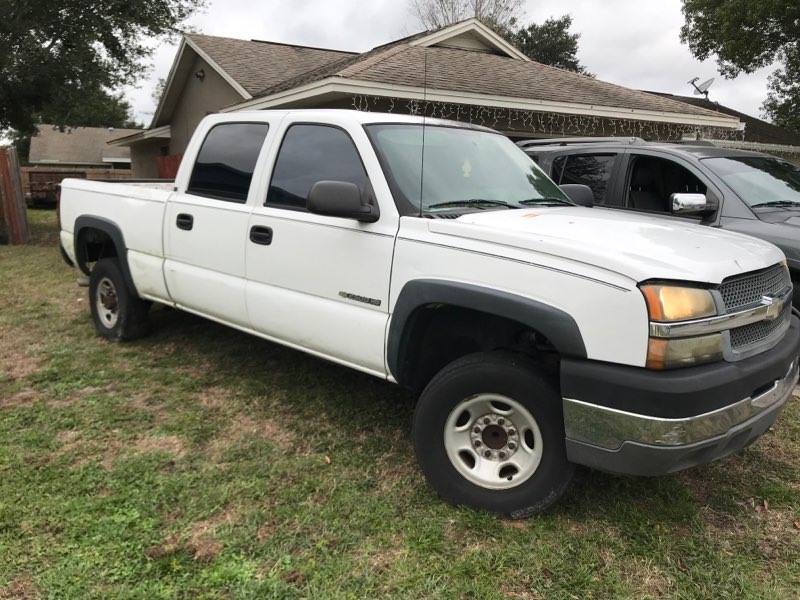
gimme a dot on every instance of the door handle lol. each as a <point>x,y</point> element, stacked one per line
<point>185,222</point>
<point>261,235</point>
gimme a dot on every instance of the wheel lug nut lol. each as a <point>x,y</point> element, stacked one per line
<point>511,445</point>
<point>477,443</point>
<point>487,454</point>
<point>477,430</point>
<point>486,421</point>
<point>512,432</point>
<point>501,455</point>
<point>501,421</point>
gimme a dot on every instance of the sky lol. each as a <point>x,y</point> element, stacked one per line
<point>635,43</point>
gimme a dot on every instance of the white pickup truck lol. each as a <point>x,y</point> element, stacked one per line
<point>538,334</point>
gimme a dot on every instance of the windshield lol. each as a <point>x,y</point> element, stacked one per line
<point>760,181</point>
<point>464,170</point>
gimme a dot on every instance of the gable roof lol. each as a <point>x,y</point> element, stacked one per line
<point>248,66</point>
<point>77,145</point>
<point>463,63</point>
<point>756,130</point>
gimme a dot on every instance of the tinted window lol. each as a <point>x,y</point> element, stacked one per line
<point>760,181</point>
<point>652,180</point>
<point>225,163</point>
<point>593,170</point>
<point>312,153</point>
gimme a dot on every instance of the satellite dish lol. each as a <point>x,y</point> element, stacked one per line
<point>702,88</point>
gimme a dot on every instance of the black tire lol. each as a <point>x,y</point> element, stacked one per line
<point>516,377</point>
<point>130,312</point>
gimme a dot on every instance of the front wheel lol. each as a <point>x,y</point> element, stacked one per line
<point>489,433</point>
<point>118,313</point>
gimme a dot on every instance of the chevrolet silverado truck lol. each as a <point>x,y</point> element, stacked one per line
<point>537,334</point>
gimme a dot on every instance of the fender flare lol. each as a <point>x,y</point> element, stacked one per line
<point>114,232</point>
<point>558,326</point>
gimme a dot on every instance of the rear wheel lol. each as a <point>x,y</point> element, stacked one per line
<point>118,313</point>
<point>489,433</point>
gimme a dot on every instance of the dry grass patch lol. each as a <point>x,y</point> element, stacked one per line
<point>200,540</point>
<point>17,357</point>
<point>244,427</point>
<point>24,397</point>
<point>20,587</point>
<point>646,578</point>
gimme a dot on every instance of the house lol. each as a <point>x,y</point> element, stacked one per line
<point>464,72</point>
<point>83,147</point>
<point>759,135</point>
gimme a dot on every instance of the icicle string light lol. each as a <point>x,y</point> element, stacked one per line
<point>529,122</point>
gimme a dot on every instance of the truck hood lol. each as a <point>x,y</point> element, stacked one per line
<point>638,246</point>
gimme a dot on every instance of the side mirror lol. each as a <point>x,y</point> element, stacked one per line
<point>692,204</point>
<point>340,199</point>
<point>581,195</point>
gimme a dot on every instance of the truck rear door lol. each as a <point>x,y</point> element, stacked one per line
<point>206,220</point>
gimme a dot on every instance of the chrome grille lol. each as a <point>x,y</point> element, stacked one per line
<point>749,335</point>
<point>744,290</point>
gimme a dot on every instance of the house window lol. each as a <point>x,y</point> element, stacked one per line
<point>226,161</point>
<point>312,153</point>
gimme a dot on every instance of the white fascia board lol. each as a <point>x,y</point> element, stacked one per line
<point>222,73</point>
<point>169,82</point>
<point>162,132</point>
<point>368,88</point>
<point>476,27</point>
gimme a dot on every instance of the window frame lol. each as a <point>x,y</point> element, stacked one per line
<point>229,200</point>
<point>368,190</point>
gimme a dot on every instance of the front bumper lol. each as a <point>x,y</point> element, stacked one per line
<point>632,421</point>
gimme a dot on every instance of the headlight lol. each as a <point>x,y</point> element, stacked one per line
<point>673,303</point>
<point>668,303</point>
<point>683,352</point>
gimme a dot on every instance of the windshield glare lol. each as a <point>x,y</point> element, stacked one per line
<point>759,181</point>
<point>464,169</point>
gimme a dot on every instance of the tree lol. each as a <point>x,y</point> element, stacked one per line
<point>61,59</point>
<point>746,35</point>
<point>550,43</point>
<point>435,14</point>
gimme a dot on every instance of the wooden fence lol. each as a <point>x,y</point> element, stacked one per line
<point>12,203</point>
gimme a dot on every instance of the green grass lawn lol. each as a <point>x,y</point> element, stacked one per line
<point>204,462</point>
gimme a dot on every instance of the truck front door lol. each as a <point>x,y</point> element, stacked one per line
<point>317,282</point>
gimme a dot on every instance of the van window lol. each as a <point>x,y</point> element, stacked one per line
<point>224,166</point>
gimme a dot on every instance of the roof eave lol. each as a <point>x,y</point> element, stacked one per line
<point>339,85</point>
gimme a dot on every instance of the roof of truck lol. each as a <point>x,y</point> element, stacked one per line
<point>356,116</point>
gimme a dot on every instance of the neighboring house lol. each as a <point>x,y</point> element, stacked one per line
<point>83,147</point>
<point>759,135</point>
<point>464,72</point>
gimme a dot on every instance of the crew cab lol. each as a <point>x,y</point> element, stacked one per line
<point>737,190</point>
<point>538,334</point>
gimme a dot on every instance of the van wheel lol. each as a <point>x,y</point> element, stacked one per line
<point>118,314</point>
<point>489,433</point>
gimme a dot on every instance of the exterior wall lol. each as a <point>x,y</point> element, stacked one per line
<point>196,100</point>
<point>143,157</point>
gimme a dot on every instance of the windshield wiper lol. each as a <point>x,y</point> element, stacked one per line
<point>474,202</point>
<point>546,201</point>
<point>778,203</point>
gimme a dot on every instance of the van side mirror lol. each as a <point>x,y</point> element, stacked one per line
<point>692,204</point>
<point>340,199</point>
<point>581,195</point>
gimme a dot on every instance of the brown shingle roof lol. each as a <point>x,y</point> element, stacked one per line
<point>256,65</point>
<point>755,130</point>
<point>77,145</point>
<point>485,73</point>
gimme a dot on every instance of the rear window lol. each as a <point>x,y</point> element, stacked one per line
<point>224,166</point>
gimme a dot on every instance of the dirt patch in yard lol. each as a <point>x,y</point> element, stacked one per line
<point>16,359</point>
<point>243,428</point>
<point>22,398</point>
<point>200,540</point>
<point>20,587</point>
